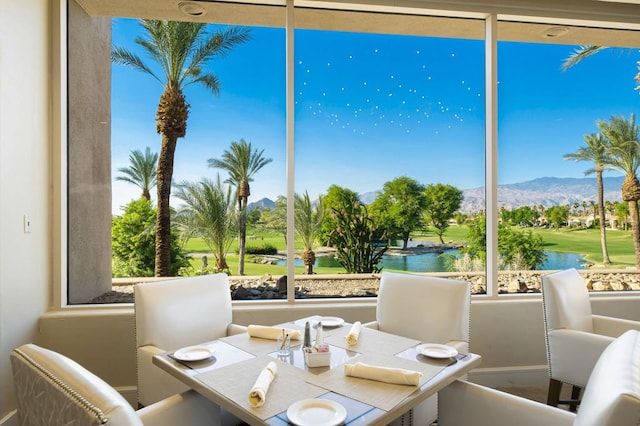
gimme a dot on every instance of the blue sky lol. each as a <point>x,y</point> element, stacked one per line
<point>370,108</point>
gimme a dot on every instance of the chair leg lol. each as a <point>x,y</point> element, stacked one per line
<point>553,397</point>
<point>575,398</point>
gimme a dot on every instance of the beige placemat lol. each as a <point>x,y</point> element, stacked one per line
<point>235,382</point>
<point>371,341</point>
<point>254,345</point>
<point>381,395</point>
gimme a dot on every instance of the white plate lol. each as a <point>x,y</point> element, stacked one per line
<point>435,350</point>
<point>331,321</point>
<point>193,353</point>
<point>316,412</point>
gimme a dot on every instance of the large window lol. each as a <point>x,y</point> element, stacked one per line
<point>551,149</point>
<point>388,110</point>
<point>388,119</point>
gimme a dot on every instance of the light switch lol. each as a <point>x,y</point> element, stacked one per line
<point>27,224</point>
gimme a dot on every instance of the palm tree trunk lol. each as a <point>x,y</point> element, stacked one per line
<point>631,194</point>
<point>603,218</point>
<point>242,234</point>
<point>635,229</point>
<point>308,258</point>
<point>163,218</point>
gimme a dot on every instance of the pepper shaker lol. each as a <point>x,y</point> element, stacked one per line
<point>307,336</point>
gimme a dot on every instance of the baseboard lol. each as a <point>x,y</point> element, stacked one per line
<point>10,419</point>
<point>130,393</point>
<point>524,376</point>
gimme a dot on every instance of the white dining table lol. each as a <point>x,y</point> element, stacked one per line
<point>228,375</point>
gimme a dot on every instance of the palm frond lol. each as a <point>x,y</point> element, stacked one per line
<point>581,53</point>
<point>122,56</point>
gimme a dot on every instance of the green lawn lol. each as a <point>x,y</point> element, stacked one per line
<point>196,245</point>
<point>587,242</point>
<point>582,241</point>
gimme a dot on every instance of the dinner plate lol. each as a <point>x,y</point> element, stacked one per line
<point>193,353</point>
<point>331,321</point>
<point>316,412</point>
<point>435,350</point>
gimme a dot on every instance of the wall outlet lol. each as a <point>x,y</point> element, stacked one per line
<point>26,224</point>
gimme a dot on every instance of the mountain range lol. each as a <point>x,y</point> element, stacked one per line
<point>545,191</point>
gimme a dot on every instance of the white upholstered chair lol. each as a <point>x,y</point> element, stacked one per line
<point>575,337</point>
<point>611,397</point>
<point>173,314</point>
<point>53,390</point>
<point>425,308</point>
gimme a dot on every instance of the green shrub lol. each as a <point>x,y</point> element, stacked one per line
<point>133,242</point>
<point>263,249</point>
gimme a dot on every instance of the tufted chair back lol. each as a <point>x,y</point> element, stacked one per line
<point>429,309</point>
<point>173,314</point>
<point>566,301</point>
<point>55,390</point>
<point>425,308</point>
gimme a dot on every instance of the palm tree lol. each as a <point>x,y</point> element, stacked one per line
<point>575,206</point>
<point>595,151</point>
<point>182,50</point>
<point>624,152</point>
<point>142,172</point>
<point>583,52</point>
<point>308,222</point>
<point>208,213</point>
<point>242,163</point>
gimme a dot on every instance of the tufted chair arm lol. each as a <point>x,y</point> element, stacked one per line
<point>574,353</point>
<point>186,409</point>
<point>372,324</point>
<point>462,347</point>
<point>464,403</point>
<point>235,329</point>
<point>613,327</point>
<point>159,383</point>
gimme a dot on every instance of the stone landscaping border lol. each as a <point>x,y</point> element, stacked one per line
<point>366,285</point>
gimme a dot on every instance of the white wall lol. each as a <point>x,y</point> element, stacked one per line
<point>24,179</point>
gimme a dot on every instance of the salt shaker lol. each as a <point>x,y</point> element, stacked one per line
<point>319,338</point>
<point>307,336</point>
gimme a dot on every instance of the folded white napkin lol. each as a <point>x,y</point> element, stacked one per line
<point>258,393</point>
<point>397,376</point>
<point>352,337</point>
<point>272,333</point>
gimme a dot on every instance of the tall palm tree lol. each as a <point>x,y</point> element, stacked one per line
<point>242,163</point>
<point>141,172</point>
<point>596,152</point>
<point>181,50</point>
<point>624,152</point>
<point>208,213</point>
<point>308,222</point>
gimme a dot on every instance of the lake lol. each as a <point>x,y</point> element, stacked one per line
<point>433,262</point>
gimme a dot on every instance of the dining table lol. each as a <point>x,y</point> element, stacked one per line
<point>227,376</point>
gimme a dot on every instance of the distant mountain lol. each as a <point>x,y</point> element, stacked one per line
<point>263,203</point>
<point>545,191</point>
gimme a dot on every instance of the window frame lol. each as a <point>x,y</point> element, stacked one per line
<point>303,11</point>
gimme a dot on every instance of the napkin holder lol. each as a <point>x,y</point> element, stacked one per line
<point>317,356</point>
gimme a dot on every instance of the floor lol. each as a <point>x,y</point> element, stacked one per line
<point>538,394</point>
